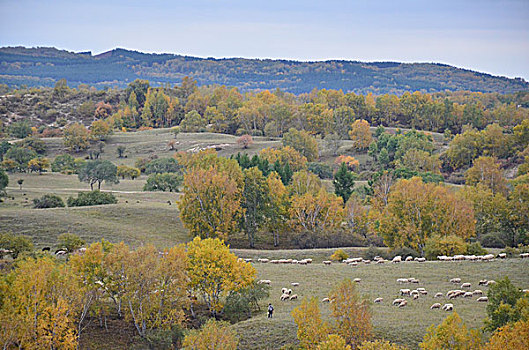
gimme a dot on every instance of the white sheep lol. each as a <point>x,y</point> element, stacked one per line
<point>455,280</point>
<point>398,301</point>
<point>327,262</point>
<point>264,282</point>
<point>468,295</point>
<point>357,280</point>
<point>502,255</point>
<point>409,258</point>
<point>524,255</point>
<point>378,300</point>
<point>294,284</point>
<point>435,306</point>
<point>405,292</point>
<point>289,291</point>
<point>482,299</point>
<point>490,283</point>
<point>438,295</point>
<point>293,297</point>
<point>448,307</point>
<point>284,297</point>
<point>402,280</point>
<point>263,260</point>
<point>415,296</point>
<point>325,300</point>
<point>477,292</point>
<point>284,290</point>
<point>420,259</point>
<point>466,285</point>
<point>397,259</point>
<point>403,303</point>
<point>414,280</point>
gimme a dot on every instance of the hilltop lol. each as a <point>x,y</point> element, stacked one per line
<point>118,67</point>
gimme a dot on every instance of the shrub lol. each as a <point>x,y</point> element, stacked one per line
<point>92,198</point>
<point>447,245</point>
<point>241,303</point>
<point>339,255</point>
<point>492,240</point>
<point>507,304</point>
<point>48,201</point>
<point>404,252</point>
<point>476,249</point>
<point>70,242</point>
<point>162,165</point>
<point>16,244</point>
<point>213,335</point>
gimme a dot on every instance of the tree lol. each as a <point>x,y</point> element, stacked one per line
<point>212,335</point>
<point>333,142</point>
<point>175,130</point>
<point>38,164</point>
<point>305,182</point>
<point>17,244</point>
<point>510,336</point>
<point>380,345</point>
<point>285,155</point>
<point>61,88</point>
<point>4,147</point>
<point>318,213</point>
<point>76,137</point>
<point>124,171</point>
<point>352,314</point>
<point>416,211</point>
<point>312,330</point>
<point>121,151</point>
<point>360,134</point>
<point>63,163</point>
<point>99,130</point>
<point>255,202</point>
<point>333,342</point>
<point>4,181</point>
<point>279,204</point>
<point>33,144</point>
<point>163,165</point>
<point>163,182</point>
<point>485,170</point>
<point>21,157</point>
<point>245,141</point>
<point>97,171</point>
<point>506,305</point>
<point>192,122</point>
<point>343,183</point>
<point>19,129</point>
<point>214,271</point>
<point>452,333</point>
<point>302,142</point>
<point>70,242</point>
<point>351,162</point>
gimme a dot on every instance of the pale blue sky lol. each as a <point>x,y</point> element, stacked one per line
<point>484,35</point>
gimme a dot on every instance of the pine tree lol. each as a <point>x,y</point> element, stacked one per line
<point>343,183</point>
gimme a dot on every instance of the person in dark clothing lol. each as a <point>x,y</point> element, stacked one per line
<point>270,310</point>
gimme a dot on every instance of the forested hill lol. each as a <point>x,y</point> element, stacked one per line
<point>44,66</point>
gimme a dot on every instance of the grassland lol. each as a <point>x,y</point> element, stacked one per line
<point>405,326</point>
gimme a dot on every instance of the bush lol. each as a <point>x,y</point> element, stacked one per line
<point>339,255</point>
<point>492,240</point>
<point>372,252</point>
<point>476,249</point>
<point>48,201</point>
<point>240,304</point>
<point>323,170</point>
<point>447,245</point>
<point>70,242</point>
<point>92,198</point>
<point>404,252</point>
<point>16,244</point>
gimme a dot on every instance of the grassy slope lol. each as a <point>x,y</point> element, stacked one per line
<point>405,326</point>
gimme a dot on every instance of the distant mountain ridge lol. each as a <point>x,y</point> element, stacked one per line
<point>43,66</point>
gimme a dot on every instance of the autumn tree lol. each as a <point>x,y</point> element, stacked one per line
<point>316,213</point>
<point>245,141</point>
<point>380,345</point>
<point>214,271</point>
<point>279,203</point>
<point>302,142</point>
<point>351,313</point>
<point>486,170</point>
<point>510,336</point>
<point>416,211</point>
<point>99,130</point>
<point>285,155</point>
<point>303,182</point>
<point>192,122</point>
<point>312,330</point>
<point>38,164</point>
<point>213,335</point>
<point>124,171</point>
<point>343,183</point>
<point>76,137</point>
<point>357,216</point>
<point>452,333</point>
<point>360,134</point>
<point>351,162</point>
<point>333,342</point>
<point>506,304</point>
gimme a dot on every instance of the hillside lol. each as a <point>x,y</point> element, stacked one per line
<point>44,66</point>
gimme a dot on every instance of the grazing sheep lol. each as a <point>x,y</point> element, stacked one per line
<point>289,292</point>
<point>482,283</point>
<point>357,280</point>
<point>263,260</point>
<point>477,292</point>
<point>423,292</point>
<point>490,283</point>
<point>284,290</point>
<point>468,295</point>
<point>264,282</point>
<point>303,262</point>
<point>482,299</point>
<point>405,292</point>
<point>403,303</point>
<point>60,252</point>
<point>524,255</point>
<point>294,284</point>
<point>455,280</point>
<point>414,280</point>
<point>448,307</point>
<point>502,255</point>
<point>293,297</point>
<point>284,297</point>
<point>327,262</point>
<point>466,285</point>
<point>420,259</point>
<point>397,259</point>
<point>379,300</point>
<point>381,261</point>
<point>415,296</point>
<point>525,291</point>
<point>435,306</point>
<point>438,295</point>
<point>402,280</point>
<point>414,292</point>
<point>420,289</point>
<point>409,258</point>
<point>367,262</point>
<point>398,301</point>
<point>325,300</point>
<point>352,263</point>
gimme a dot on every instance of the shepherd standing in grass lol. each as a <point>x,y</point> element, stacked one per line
<point>270,310</point>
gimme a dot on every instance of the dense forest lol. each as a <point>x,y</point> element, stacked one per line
<point>44,66</point>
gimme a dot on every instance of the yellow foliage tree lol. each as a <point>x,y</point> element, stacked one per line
<point>214,335</point>
<point>38,164</point>
<point>333,342</point>
<point>380,345</point>
<point>351,162</point>
<point>279,204</point>
<point>303,182</point>
<point>284,155</point>
<point>352,314</point>
<point>452,333</point>
<point>486,170</point>
<point>214,271</point>
<point>360,134</point>
<point>511,336</point>
<point>76,137</point>
<point>99,130</point>
<point>312,330</point>
<point>316,213</point>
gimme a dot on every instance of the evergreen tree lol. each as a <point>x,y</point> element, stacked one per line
<point>343,183</point>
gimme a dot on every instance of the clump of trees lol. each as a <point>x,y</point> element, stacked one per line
<point>91,198</point>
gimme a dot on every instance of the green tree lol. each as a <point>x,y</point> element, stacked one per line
<point>19,129</point>
<point>343,182</point>
<point>64,163</point>
<point>97,171</point>
<point>192,122</point>
<point>17,244</point>
<point>506,304</point>
<point>21,157</point>
<point>4,147</point>
<point>70,242</point>
<point>255,202</point>
<point>121,151</point>
<point>166,182</point>
<point>4,181</point>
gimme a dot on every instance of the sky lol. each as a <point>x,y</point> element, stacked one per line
<point>489,36</point>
